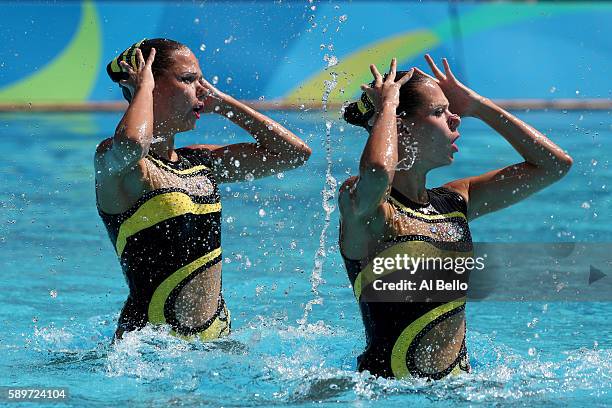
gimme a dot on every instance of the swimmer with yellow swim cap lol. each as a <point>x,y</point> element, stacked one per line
<point>161,205</point>
<point>387,212</point>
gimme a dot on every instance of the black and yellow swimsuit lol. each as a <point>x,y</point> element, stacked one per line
<point>166,240</point>
<point>394,329</point>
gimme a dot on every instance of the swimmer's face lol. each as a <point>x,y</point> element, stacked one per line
<point>177,93</point>
<point>432,127</point>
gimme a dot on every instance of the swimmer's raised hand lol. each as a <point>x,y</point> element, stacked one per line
<point>463,101</point>
<point>212,98</point>
<point>387,91</point>
<point>142,75</point>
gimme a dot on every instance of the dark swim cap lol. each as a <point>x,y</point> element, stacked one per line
<point>113,69</point>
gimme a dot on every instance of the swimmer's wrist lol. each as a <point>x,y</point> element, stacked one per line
<point>387,105</point>
<point>144,87</point>
<point>226,103</point>
<point>480,107</point>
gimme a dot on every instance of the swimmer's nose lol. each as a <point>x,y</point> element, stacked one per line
<point>454,121</point>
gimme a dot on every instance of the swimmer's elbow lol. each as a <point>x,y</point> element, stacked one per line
<point>304,154</point>
<point>562,166</point>
<point>298,157</point>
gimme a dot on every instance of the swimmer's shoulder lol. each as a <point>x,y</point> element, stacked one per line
<point>345,192</point>
<point>102,161</point>
<point>104,146</point>
<point>461,187</point>
<point>348,184</point>
<point>374,221</point>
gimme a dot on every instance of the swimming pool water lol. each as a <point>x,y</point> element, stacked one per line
<point>62,287</point>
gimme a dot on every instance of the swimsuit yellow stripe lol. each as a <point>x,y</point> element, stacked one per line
<point>398,354</point>
<point>157,209</point>
<point>158,300</point>
<point>416,249</point>
<point>218,328</point>
<point>188,171</point>
<point>426,216</point>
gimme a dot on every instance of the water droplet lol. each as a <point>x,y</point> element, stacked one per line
<point>343,18</point>
<point>53,293</point>
<point>553,89</point>
<point>262,212</point>
<point>585,205</point>
<point>202,47</point>
<point>197,21</point>
<point>215,80</point>
<point>230,114</point>
<point>228,80</point>
<point>331,60</point>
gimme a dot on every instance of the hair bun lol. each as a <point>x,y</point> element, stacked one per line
<point>359,113</point>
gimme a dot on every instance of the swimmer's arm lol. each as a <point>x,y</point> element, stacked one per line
<point>379,157</point>
<point>134,132</point>
<point>545,163</point>
<point>276,149</point>
<point>377,165</point>
<point>243,161</point>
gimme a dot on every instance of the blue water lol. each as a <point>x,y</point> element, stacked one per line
<point>62,286</point>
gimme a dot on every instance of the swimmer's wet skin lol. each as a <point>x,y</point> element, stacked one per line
<point>161,205</point>
<point>394,330</point>
<point>423,334</point>
<point>184,208</point>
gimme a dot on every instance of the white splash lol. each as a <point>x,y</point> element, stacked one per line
<point>328,203</point>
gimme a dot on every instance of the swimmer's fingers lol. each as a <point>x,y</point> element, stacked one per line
<point>377,76</point>
<point>392,70</point>
<point>406,77</point>
<point>434,68</point>
<point>150,58</point>
<point>449,73</point>
<point>126,67</point>
<point>210,89</point>
<point>140,62</point>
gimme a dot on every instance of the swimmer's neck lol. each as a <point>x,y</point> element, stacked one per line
<point>412,184</point>
<point>162,145</point>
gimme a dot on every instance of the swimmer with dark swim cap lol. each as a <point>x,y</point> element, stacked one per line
<point>387,212</point>
<point>161,205</point>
